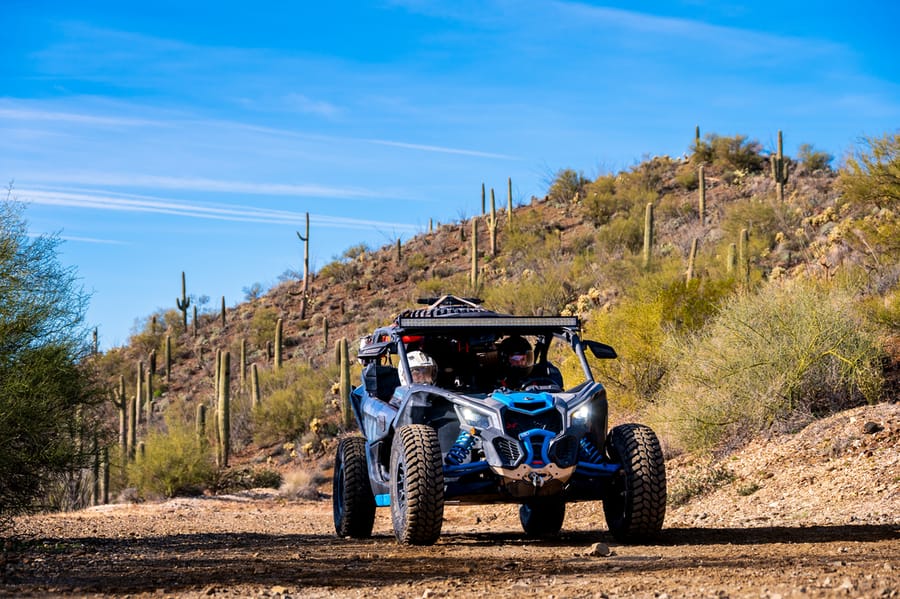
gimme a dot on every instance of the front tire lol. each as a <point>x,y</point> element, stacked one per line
<point>352,498</point>
<point>417,485</point>
<point>636,504</point>
<point>542,518</point>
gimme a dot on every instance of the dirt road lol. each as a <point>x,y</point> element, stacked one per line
<point>815,514</point>
<point>246,547</point>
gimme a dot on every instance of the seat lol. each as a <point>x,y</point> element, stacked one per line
<point>381,381</point>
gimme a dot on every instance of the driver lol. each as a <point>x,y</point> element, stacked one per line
<point>516,359</point>
<point>422,367</point>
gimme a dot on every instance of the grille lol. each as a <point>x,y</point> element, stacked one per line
<point>564,451</point>
<point>508,450</point>
<point>516,423</point>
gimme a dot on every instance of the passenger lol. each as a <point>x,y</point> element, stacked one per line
<point>422,368</point>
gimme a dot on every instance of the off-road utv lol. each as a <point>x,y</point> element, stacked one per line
<point>459,404</point>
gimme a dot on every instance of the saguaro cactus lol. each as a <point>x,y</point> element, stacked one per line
<point>139,390</point>
<point>201,424</point>
<point>399,251</point>
<point>168,353</point>
<point>648,233</point>
<point>731,260</point>
<point>94,344</point>
<point>473,276</point>
<point>223,311</point>
<point>224,411</point>
<point>483,206</point>
<point>305,292</point>
<point>509,210</point>
<point>104,491</point>
<point>325,334</point>
<point>779,169</point>
<point>243,363</point>
<point>744,257</point>
<point>132,425</point>
<point>184,303</point>
<point>254,386</point>
<point>702,194</point>
<point>692,261</point>
<point>278,327</point>
<point>148,396</point>
<point>492,224</point>
<point>194,322</point>
<point>345,383</point>
<point>121,403</point>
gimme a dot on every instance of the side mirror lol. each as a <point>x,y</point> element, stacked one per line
<point>601,350</point>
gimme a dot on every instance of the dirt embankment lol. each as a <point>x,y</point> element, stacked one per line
<point>816,514</point>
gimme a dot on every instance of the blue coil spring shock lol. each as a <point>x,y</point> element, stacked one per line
<point>589,453</point>
<point>459,453</point>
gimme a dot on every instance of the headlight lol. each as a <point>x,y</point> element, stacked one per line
<point>580,416</point>
<point>474,418</point>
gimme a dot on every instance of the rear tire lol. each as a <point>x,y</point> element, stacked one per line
<point>352,498</point>
<point>542,518</point>
<point>417,485</point>
<point>635,506</point>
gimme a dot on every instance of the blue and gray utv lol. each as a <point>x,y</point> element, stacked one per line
<point>491,422</point>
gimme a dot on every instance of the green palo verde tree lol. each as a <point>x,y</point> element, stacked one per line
<point>46,396</point>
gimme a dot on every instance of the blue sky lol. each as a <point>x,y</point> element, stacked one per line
<point>162,137</point>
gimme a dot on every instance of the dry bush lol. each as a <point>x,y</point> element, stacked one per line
<point>771,360</point>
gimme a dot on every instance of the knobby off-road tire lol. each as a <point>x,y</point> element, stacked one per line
<point>636,504</point>
<point>417,485</point>
<point>542,518</point>
<point>354,503</point>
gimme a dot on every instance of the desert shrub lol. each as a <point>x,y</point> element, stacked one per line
<point>341,272</point>
<point>687,177</point>
<point>658,305</point>
<point>813,160</point>
<point>566,183</point>
<point>652,174</point>
<point>871,176</point>
<point>870,183</point>
<point>736,153</point>
<point>245,478</point>
<point>417,262</point>
<point>262,326</point>
<point>174,463</point>
<point>700,479</point>
<point>457,284</point>
<point>600,201</point>
<point>625,231</point>
<point>302,484</point>
<point>762,219</point>
<point>533,293</point>
<point>291,398</point>
<point>768,360</point>
<point>355,252</point>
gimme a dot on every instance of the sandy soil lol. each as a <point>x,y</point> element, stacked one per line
<point>815,514</point>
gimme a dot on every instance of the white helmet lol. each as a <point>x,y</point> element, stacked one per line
<point>422,367</point>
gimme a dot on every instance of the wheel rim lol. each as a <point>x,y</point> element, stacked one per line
<point>401,486</point>
<point>339,493</point>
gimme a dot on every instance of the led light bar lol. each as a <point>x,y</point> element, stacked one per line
<point>490,322</point>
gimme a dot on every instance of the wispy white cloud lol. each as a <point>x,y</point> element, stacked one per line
<point>92,240</point>
<point>444,150</point>
<point>23,114</point>
<point>232,213</point>
<point>303,103</point>
<point>716,38</point>
<point>204,184</point>
<point>85,118</point>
